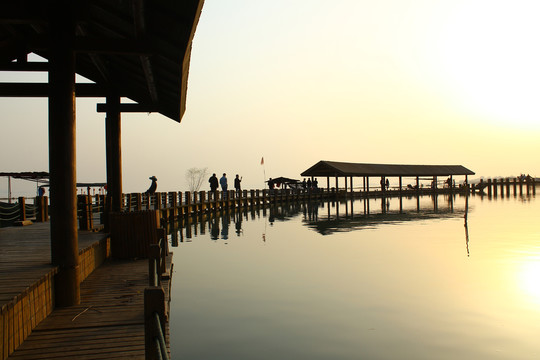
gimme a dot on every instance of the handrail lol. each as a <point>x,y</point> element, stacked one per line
<point>160,337</point>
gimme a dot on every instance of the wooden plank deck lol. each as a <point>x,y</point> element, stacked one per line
<point>25,256</point>
<point>109,323</point>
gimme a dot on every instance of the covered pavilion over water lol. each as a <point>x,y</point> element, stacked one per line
<point>346,170</point>
<point>139,50</point>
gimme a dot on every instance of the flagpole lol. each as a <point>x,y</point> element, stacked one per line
<point>264,172</point>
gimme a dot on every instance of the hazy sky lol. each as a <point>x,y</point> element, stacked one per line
<point>298,81</point>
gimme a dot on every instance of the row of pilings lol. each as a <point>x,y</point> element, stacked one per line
<point>507,186</point>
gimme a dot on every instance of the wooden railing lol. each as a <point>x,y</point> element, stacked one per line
<point>155,314</point>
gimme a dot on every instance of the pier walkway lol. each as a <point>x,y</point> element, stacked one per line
<point>109,322</point>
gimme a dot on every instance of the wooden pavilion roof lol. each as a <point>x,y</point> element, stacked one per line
<point>335,168</point>
<point>131,48</point>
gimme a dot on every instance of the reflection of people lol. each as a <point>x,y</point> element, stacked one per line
<point>237,181</point>
<point>225,227</point>
<point>41,191</point>
<point>238,224</point>
<point>213,183</point>
<point>214,229</point>
<point>153,186</point>
<point>223,182</point>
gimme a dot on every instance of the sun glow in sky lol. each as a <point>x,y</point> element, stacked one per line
<point>390,81</point>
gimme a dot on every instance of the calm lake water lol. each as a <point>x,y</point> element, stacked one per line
<point>422,279</point>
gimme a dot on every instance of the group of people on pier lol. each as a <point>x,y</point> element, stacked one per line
<point>214,183</point>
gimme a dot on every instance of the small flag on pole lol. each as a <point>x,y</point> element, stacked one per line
<point>262,160</point>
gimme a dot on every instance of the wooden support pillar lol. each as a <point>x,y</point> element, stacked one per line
<point>114,153</point>
<point>417,184</point>
<point>352,191</point>
<point>400,184</point>
<point>367,184</point>
<point>328,184</point>
<point>62,158</point>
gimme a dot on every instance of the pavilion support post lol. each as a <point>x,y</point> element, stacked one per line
<point>352,191</point>
<point>328,184</point>
<point>400,184</point>
<point>367,184</point>
<point>62,159</point>
<point>337,185</point>
<point>417,184</point>
<point>114,153</point>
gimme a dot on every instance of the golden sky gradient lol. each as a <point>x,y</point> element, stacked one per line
<point>390,81</point>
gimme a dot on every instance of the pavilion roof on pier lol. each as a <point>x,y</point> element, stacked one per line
<point>335,168</point>
<point>135,49</point>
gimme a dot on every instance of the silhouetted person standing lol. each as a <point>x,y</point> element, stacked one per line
<point>237,186</point>
<point>223,182</point>
<point>153,186</point>
<point>213,183</point>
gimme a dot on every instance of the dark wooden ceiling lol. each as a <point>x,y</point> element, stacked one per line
<point>133,48</point>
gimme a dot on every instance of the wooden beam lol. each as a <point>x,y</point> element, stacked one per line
<point>133,108</point>
<point>140,33</point>
<point>43,90</point>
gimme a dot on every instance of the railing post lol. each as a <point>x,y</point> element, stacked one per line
<point>187,196</point>
<point>154,265</point>
<point>139,201</point>
<point>180,201</point>
<point>42,209</point>
<point>154,302</point>
<point>202,199</point>
<point>22,209</point>
<point>173,203</point>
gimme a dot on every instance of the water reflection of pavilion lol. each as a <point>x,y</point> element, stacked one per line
<point>325,217</point>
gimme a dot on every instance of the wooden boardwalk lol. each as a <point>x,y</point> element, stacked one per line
<point>25,257</point>
<point>109,322</point>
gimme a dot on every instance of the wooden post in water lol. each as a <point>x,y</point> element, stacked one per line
<point>495,192</point>
<point>187,197</point>
<point>507,186</point>
<point>515,186</point>
<point>202,197</point>
<point>501,182</point>
<point>173,207</point>
<point>62,150</point>
<point>489,187</point>
<point>181,211</point>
